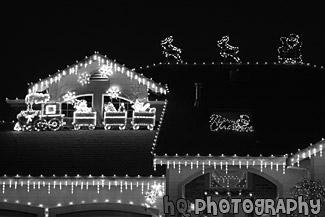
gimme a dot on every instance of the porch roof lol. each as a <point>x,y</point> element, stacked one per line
<point>107,152</point>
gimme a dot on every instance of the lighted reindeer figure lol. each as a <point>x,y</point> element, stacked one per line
<point>228,50</point>
<point>171,50</point>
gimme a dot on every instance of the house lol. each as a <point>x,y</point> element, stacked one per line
<point>97,80</point>
<point>221,130</point>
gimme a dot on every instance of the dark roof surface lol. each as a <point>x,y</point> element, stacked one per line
<point>286,103</point>
<point>77,152</point>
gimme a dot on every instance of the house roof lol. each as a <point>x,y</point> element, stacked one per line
<point>284,102</point>
<point>91,65</point>
<point>307,152</point>
<point>83,152</point>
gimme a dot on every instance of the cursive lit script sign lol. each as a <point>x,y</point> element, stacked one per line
<point>221,123</point>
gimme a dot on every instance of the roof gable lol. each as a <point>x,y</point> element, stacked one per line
<point>97,63</point>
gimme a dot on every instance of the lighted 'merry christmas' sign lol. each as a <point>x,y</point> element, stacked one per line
<point>219,122</point>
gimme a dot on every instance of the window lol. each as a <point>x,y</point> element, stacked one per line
<point>67,109</point>
<point>88,98</point>
<point>117,102</point>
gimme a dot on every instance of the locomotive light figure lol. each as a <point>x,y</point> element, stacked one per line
<point>49,117</point>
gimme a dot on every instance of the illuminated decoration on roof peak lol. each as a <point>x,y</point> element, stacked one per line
<point>290,50</point>
<point>226,50</point>
<point>170,50</point>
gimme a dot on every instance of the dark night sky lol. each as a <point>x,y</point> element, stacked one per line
<point>45,38</point>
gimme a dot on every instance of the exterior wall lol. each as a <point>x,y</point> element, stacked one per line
<point>318,168</point>
<point>70,83</point>
<point>130,88</point>
<point>175,181</point>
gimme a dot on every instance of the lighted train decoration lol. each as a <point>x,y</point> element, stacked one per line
<point>83,116</point>
<point>142,115</point>
<point>50,116</point>
<point>113,117</point>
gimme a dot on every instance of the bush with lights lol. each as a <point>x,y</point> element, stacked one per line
<point>309,190</point>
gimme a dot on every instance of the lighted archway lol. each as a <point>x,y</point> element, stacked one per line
<point>279,186</point>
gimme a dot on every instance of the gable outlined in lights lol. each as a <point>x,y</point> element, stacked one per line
<point>101,60</point>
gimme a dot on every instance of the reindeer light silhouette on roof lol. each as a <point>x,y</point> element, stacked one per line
<point>290,49</point>
<point>227,50</point>
<point>171,50</point>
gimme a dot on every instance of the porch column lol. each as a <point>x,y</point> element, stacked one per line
<point>98,108</point>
